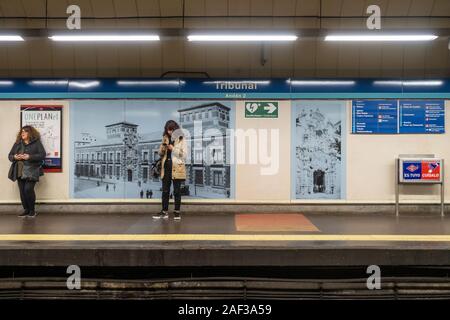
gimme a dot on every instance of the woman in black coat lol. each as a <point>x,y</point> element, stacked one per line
<point>27,155</point>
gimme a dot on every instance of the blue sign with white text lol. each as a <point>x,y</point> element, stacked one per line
<point>422,116</point>
<point>375,116</point>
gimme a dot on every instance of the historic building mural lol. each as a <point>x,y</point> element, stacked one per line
<point>114,149</point>
<point>318,141</point>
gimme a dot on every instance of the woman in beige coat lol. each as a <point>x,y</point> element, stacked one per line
<point>173,170</point>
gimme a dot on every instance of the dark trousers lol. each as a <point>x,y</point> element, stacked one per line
<point>27,195</point>
<point>166,181</point>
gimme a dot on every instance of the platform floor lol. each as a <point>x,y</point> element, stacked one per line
<point>225,239</point>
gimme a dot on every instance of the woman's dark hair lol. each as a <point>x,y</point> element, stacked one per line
<point>170,125</point>
<point>32,132</point>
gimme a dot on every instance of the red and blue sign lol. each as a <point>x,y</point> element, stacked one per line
<point>421,170</point>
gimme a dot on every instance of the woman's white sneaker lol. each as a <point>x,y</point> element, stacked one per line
<point>162,214</point>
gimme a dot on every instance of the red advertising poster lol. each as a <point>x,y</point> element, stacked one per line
<point>431,170</point>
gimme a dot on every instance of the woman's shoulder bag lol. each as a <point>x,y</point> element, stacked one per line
<point>156,168</point>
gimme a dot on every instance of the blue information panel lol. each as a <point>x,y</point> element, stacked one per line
<point>422,116</point>
<point>375,116</point>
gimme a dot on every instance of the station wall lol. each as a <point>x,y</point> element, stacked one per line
<point>371,166</point>
<point>250,183</point>
<point>368,165</point>
<point>53,186</point>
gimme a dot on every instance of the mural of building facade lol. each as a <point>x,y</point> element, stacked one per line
<point>117,162</point>
<point>208,170</point>
<point>319,149</point>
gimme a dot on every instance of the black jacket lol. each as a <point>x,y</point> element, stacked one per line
<point>32,166</point>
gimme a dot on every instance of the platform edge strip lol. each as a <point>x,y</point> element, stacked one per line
<point>221,237</point>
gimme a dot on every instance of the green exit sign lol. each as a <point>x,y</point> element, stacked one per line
<point>261,109</point>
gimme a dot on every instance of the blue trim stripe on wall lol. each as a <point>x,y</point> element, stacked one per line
<point>235,89</point>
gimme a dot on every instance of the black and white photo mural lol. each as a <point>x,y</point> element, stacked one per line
<point>318,154</point>
<point>115,142</point>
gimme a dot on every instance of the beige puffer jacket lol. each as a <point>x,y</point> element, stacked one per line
<point>178,157</point>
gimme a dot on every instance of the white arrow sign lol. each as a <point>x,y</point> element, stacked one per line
<point>271,107</point>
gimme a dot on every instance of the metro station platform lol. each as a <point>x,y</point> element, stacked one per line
<point>225,256</point>
<point>213,239</point>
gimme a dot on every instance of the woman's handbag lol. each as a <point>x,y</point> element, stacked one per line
<point>156,168</point>
<point>41,168</point>
<point>12,174</point>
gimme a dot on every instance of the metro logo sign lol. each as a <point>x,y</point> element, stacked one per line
<point>431,170</point>
<point>412,170</point>
<point>421,170</point>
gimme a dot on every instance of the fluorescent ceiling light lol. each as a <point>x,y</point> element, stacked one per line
<point>103,37</point>
<point>423,83</point>
<point>11,38</point>
<point>321,83</point>
<point>264,82</point>
<point>49,82</point>
<point>381,37</point>
<point>6,83</point>
<point>388,83</point>
<point>410,83</point>
<point>147,83</point>
<point>242,37</point>
<point>84,84</point>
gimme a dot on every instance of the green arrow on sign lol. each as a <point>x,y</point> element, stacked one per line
<point>261,109</point>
